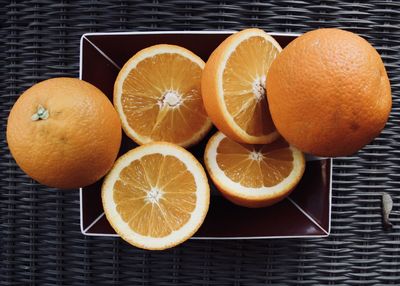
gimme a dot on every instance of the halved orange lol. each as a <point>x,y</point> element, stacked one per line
<point>156,196</point>
<point>253,175</point>
<point>157,95</point>
<point>233,86</point>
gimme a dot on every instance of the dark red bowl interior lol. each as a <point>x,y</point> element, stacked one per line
<point>305,213</point>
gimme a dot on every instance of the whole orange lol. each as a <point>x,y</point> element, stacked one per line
<point>64,133</point>
<point>329,93</point>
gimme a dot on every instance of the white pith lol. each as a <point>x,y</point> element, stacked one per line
<point>170,98</point>
<point>256,156</point>
<point>154,195</point>
<point>259,87</point>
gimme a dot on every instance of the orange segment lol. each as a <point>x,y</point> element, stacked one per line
<point>156,196</point>
<point>255,165</point>
<point>157,94</point>
<point>253,175</point>
<point>234,88</point>
<point>172,207</point>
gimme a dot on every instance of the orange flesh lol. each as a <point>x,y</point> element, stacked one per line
<point>147,107</point>
<point>246,67</point>
<point>255,166</point>
<point>173,208</point>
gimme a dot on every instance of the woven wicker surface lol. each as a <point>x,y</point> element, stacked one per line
<point>40,240</point>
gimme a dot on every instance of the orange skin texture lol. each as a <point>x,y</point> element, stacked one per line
<point>76,145</point>
<point>209,90</point>
<point>329,93</point>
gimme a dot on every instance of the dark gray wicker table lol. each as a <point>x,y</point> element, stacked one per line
<point>40,239</point>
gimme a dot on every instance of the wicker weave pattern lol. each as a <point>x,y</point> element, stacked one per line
<point>40,241</point>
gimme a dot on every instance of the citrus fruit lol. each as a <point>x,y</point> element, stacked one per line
<point>64,133</point>
<point>156,196</point>
<point>253,175</point>
<point>157,95</point>
<point>233,86</point>
<point>328,93</point>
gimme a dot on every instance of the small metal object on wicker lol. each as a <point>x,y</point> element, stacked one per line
<point>387,206</point>
<point>40,241</point>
